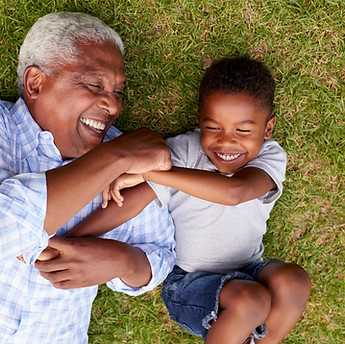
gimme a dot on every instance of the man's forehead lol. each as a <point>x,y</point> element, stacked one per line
<point>102,55</point>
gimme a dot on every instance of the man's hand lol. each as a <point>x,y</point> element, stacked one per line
<point>145,150</point>
<point>48,253</point>
<point>85,262</point>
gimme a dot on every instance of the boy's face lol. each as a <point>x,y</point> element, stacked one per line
<point>233,129</point>
<point>79,105</point>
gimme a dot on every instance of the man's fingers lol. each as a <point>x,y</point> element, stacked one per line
<point>64,279</point>
<point>21,258</point>
<point>49,265</point>
<point>58,279</point>
<point>166,166</point>
<point>58,243</point>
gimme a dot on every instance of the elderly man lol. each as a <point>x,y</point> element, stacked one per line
<point>59,150</point>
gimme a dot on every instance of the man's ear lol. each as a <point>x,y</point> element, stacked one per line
<point>33,78</point>
<point>269,127</point>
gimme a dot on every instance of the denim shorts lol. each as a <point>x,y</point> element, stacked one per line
<point>192,298</point>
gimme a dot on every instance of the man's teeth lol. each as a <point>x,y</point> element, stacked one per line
<point>228,157</point>
<point>92,123</point>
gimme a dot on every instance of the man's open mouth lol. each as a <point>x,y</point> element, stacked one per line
<point>96,125</point>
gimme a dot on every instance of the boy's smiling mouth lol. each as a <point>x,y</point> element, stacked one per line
<point>227,157</point>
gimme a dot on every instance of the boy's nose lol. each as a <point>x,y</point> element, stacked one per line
<point>227,138</point>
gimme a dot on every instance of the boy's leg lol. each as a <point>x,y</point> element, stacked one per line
<point>243,305</point>
<point>289,286</point>
<point>205,304</point>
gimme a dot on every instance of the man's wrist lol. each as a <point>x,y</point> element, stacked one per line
<point>117,157</point>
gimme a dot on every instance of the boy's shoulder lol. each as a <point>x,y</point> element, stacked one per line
<point>271,145</point>
<point>273,151</point>
<point>272,160</point>
<point>191,136</point>
<point>271,154</point>
<point>189,142</point>
<point>186,150</point>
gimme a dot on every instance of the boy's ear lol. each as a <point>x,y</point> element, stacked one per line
<point>33,78</point>
<point>269,127</point>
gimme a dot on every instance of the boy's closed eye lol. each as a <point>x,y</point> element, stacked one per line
<point>243,131</point>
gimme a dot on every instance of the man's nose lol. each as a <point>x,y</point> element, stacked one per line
<point>111,103</point>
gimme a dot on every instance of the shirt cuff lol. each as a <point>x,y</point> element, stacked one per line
<point>31,255</point>
<point>161,260</point>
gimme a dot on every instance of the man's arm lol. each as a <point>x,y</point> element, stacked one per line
<point>71,187</point>
<point>85,262</point>
<point>137,255</point>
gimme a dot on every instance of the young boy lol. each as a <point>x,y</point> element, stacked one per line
<point>226,178</point>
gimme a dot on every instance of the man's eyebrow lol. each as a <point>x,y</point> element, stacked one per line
<point>101,75</point>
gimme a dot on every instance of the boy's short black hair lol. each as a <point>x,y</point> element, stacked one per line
<point>239,75</point>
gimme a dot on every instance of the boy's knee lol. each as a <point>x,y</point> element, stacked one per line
<point>246,299</point>
<point>291,282</point>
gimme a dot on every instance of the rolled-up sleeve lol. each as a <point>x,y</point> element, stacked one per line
<point>153,232</point>
<point>22,214</point>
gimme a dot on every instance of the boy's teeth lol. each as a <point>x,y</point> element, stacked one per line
<point>228,157</point>
<point>92,123</point>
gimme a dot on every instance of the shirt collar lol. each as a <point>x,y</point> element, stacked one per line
<point>32,136</point>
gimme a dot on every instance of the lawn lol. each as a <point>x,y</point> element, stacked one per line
<point>168,46</point>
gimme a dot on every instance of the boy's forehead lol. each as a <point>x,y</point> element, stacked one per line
<point>223,101</point>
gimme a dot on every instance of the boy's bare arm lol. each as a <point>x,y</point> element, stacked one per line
<point>246,184</point>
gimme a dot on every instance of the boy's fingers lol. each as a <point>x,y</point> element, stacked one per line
<point>117,197</point>
<point>104,202</point>
<point>106,197</point>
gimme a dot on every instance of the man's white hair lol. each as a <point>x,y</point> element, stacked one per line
<point>53,40</point>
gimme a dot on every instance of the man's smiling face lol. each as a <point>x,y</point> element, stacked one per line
<point>81,102</point>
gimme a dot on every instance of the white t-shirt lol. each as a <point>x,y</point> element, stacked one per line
<point>214,237</point>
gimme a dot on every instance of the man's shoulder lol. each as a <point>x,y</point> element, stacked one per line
<point>16,112</point>
<point>7,118</point>
<point>112,133</point>
<point>5,108</point>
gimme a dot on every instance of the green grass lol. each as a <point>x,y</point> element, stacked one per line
<point>168,44</point>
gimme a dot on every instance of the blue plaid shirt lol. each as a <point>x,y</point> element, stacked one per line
<point>31,310</point>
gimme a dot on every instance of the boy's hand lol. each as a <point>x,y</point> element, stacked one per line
<point>124,181</point>
<point>106,197</point>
